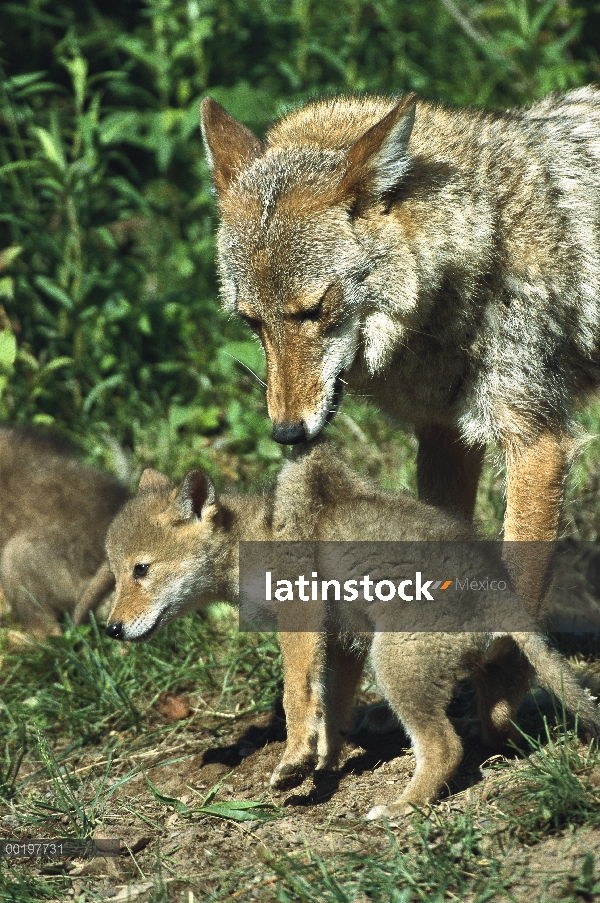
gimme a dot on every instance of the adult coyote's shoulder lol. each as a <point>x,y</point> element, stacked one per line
<point>448,258</point>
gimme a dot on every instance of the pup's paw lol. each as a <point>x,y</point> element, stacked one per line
<point>394,814</point>
<point>376,813</point>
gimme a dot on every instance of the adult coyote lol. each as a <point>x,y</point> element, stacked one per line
<point>445,261</point>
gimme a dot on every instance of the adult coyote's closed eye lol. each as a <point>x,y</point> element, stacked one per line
<point>447,258</point>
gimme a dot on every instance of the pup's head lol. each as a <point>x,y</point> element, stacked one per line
<point>166,550</point>
<point>298,255</point>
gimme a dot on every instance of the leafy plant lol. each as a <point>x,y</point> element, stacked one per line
<point>234,810</point>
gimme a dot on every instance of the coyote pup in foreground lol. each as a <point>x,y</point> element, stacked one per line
<point>54,513</point>
<point>446,262</point>
<point>175,548</point>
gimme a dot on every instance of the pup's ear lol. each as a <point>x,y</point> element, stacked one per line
<point>378,159</point>
<point>153,480</point>
<point>195,494</point>
<point>229,144</point>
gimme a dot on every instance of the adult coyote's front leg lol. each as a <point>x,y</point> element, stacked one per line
<point>448,469</point>
<point>535,483</point>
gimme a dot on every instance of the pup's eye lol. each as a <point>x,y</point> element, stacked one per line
<point>140,570</point>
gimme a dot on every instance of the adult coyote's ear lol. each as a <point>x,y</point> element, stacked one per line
<point>229,144</point>
<point>378,159</point>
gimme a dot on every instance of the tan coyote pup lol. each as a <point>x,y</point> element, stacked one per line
<point>175,548</point>
<point>54,513</point>
<point>446,262</point>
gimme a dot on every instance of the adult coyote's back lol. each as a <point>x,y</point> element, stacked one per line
<point>448,260</point>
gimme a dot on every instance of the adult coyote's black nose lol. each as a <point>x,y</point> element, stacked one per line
<point>115,630</point>
<point>288,433</point>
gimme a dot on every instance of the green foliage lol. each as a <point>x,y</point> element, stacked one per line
<point>232,810</point>
<point>112,325</point>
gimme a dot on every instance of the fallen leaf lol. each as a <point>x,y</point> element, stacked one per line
<point>173,707</point>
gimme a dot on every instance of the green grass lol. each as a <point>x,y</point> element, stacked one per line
<point>81,693</point>
<point>436,867</point>
<point>17,886</point>
<point>462,856</point>
<point>81,687</point>
<point>445,857</point>
<point>554,790</point>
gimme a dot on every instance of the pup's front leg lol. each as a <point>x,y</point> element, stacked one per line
<point>536,474</point>
<point>304,657</point>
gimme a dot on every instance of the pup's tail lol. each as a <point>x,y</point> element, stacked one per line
<point>557,676</point>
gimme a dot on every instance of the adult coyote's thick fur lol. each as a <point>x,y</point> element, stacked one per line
<point>175,548</point>
<point>54,514</point>
<point>446,262</point>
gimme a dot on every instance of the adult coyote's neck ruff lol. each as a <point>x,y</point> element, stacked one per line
<point>448,258</point>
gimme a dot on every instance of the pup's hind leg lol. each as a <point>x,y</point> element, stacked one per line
<point>418,682</point>
<point>36,582</point>
<point>344,664</point>
<point>501,685</point>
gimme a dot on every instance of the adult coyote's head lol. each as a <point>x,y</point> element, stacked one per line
<point>299,252</point>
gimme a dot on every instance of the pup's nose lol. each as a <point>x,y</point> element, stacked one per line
<point>288,433</point>
<point>115,630</point>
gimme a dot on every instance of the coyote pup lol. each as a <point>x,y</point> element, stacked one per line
<point>175,548</point>
<point>447,262</point>
<point>54,513</point>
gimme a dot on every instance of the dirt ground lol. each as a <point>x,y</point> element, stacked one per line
<point>200,855</point>
<point>203,857</point>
